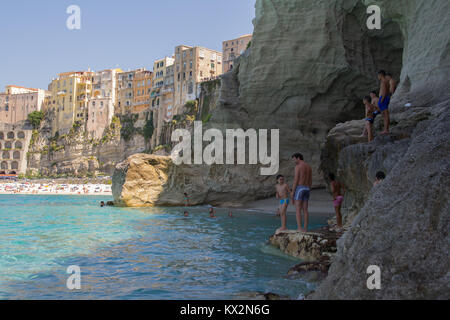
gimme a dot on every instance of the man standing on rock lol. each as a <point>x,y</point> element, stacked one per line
<point>301,189</point>
<point>385,99</point>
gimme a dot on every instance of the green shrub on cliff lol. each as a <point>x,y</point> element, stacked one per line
<point>149,128</point>
<point>35,118</point>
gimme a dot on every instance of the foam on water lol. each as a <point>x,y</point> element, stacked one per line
<point>125,253</point>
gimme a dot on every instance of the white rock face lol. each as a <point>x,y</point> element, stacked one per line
<point>401,225</point>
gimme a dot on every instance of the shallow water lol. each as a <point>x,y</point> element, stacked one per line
<point>123,253</point>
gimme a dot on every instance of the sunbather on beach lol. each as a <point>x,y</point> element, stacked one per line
<point>338,191</point>
<point>282,195</point>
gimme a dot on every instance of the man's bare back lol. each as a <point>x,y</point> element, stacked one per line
<point>304,174</point>
<point>384,88</point>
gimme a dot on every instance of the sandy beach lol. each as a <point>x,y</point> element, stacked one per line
<point>55,188</point>
<point>320,204</point>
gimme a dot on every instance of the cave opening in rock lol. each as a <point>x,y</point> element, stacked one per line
<point>367,52</point>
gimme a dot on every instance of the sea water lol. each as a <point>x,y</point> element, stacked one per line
<point>125,253</point>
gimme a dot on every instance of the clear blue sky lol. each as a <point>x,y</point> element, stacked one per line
<point>36,45</point>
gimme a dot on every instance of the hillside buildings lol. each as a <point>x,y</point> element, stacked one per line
<point>17,102</point>
<point>193,65</point>
<point>232,49</point>
<point>70,93</point>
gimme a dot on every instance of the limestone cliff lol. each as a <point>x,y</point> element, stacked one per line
<point>76,154</point>
<point>402,224</point>
<point>308,67</point>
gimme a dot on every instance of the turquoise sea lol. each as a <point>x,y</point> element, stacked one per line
<point>124,253</point>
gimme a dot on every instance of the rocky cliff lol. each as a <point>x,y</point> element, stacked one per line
<point>309,65</point>
<point>402,224</point>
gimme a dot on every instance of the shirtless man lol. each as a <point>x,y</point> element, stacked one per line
<point>338,191</point>
<point>385,99</point>
<point>392,84</point>
<point>282,195</point>
<point>301,189</point>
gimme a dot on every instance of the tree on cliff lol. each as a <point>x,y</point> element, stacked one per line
<point>35,118</point>
<point>149,128</point>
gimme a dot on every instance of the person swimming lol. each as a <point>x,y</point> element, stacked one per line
<point>186,214</point>
<point>102,204</point>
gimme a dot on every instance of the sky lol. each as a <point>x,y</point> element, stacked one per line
<point>36,45</point>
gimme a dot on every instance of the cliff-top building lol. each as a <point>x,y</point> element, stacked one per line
<point>142,86</point>
<point>133,91</point>
<point>17,102</point>
<point>193,65</point>
<point>233,49</point>
<point>70,93</point>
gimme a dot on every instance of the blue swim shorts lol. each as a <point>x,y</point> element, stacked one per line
<point>302,193</point>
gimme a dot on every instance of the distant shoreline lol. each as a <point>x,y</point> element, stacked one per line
<point>52,188</point>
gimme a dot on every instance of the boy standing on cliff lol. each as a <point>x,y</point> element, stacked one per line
<point>282,195</point>
<point>370,116</point>
<point>385,99</point>
<point>338,191</point>
<point>301,189</point>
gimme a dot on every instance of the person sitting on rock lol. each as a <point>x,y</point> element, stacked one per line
<point>385,99</point>
<point>282,194</point>
<point>392,83</point>
<point>370,116</point>
<point>379,177</point>
<point>338,191</point>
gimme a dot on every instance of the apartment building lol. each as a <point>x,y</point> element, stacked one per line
<point>100,113</point>
<point>70,93</point>
<point>193,65</point>
<point>125,93</point>
<point>142,86</point>
<point>133,91</point>
<point>17,102</point>
<point>231,49</point>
